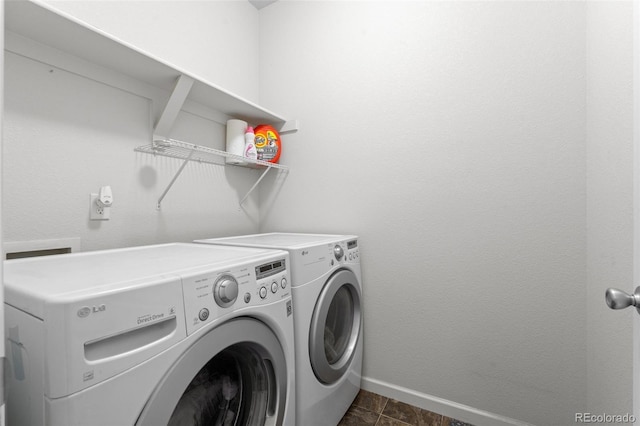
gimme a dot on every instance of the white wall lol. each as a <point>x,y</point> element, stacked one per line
<point>67,135</point>
<point>609,203</point>
<point>450,137</point>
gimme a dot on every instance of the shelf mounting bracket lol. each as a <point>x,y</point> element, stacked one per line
<point>255,185</point>
<point>164,193</point>
<point>172,108</point>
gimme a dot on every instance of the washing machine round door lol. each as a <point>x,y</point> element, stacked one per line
<point>236,374</point>
<point>335,326</point>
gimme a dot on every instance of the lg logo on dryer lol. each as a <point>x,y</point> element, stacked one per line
<point>85,311</point>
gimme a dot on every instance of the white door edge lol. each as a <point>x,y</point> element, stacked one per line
<point>636,202</point>
<point>2,352</point>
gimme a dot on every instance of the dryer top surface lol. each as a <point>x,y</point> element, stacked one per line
<point>286,241</point>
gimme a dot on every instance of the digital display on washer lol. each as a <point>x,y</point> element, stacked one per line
<point>352,244</point>
<point>270,268</point>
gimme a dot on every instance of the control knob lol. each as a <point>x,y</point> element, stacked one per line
<point>338,252</point>
<point>225,291</point>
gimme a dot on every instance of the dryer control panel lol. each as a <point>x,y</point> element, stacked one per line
<point>210,296</point>
<point>346,252</point>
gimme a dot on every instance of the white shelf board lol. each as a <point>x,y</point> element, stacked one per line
<point>50,27</point>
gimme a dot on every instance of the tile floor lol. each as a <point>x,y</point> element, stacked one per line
<point>370,409</point>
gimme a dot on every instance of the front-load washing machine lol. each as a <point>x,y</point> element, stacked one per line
<point>172,334</point>
<point>326,288</point>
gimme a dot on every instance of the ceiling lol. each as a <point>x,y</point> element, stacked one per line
<point>259,4</point>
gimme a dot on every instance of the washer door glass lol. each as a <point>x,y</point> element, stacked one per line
<point>234,375</point>
<point>232,389</point>
<point>335,327</point>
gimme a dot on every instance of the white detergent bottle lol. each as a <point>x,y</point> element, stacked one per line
<point>249,144</point>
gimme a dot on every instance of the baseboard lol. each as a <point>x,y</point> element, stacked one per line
<point>438,405</point>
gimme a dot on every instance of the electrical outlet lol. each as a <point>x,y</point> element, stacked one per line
<point>97,212</point>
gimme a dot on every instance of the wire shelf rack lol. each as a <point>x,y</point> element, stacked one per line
<point>190,152</point>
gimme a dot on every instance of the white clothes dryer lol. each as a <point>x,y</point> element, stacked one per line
<point>171,334</point>
<point>327,289</point>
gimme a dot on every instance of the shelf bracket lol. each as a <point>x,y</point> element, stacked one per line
<point>174,179</point>
<point>290,126</point>
<point>172,108</point>
<point>255,185</point>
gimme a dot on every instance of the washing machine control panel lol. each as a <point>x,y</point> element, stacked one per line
<point>211,296</point>
<point>271,281</point>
